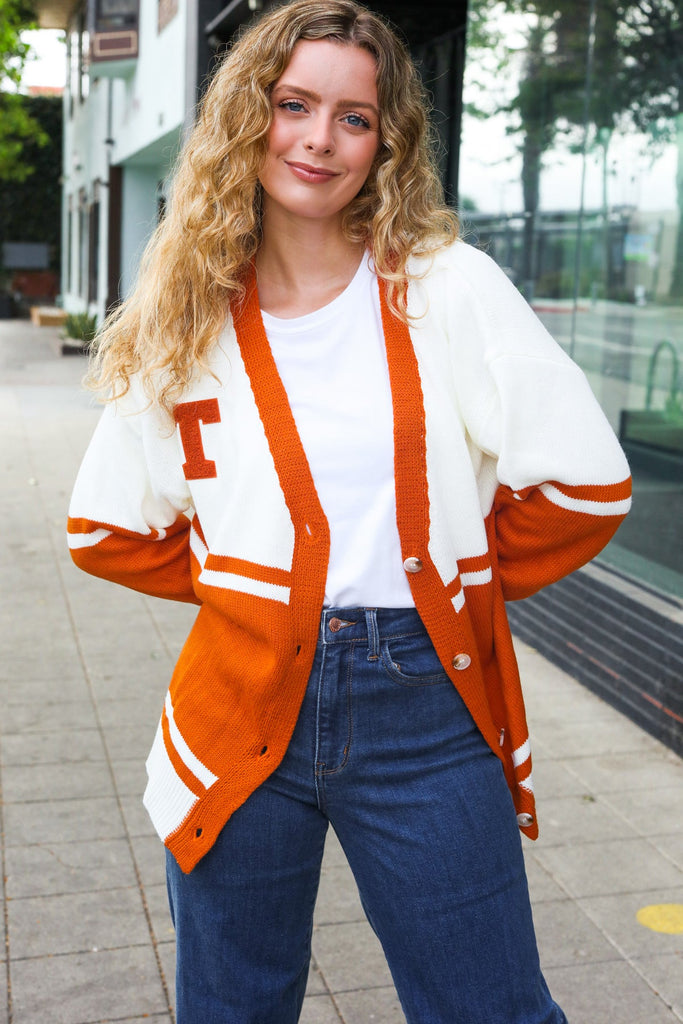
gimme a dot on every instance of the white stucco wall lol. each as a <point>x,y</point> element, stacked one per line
<point>151,103</point>
<point>139,206</point>
<point>143,116</point>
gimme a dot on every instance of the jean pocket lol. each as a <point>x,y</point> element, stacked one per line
<point>412,661</point>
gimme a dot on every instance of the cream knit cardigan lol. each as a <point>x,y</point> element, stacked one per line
<point>508,477</point>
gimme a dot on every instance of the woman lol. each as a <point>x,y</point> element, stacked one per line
<point>342,433</point>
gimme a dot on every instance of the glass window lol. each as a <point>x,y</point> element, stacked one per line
<point>571,175</point>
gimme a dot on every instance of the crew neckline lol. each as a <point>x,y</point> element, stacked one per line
<point>290,325</point>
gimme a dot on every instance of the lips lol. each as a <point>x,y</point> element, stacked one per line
<point>313,175</point>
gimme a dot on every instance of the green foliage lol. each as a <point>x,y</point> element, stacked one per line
<point>81,327</point>
<point>30,210</point>
<point>17,127</point>
<point>15,17</point>
<point>16,124</point>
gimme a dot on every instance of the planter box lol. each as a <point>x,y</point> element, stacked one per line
<point>47,316</point>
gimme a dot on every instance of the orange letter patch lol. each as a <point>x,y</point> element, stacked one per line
<point>188,416</point>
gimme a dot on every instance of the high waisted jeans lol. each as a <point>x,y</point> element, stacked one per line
<point>385,750</point>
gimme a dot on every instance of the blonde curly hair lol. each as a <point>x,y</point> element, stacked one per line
<point>199,258</point>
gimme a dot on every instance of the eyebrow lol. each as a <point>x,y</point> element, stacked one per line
<point>318,99</point>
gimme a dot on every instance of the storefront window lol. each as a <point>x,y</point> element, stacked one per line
<point>571,176</point>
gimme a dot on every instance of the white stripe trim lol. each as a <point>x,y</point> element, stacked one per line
<point>244,584</point>
<point>167,798</point>
<point>527,783</point>
<point>190,760</point>
<point>197,547</point>
<point>594,508</point>
<point>476,579</point>
<point>458,601</point>
<point>233,581</point>
<point>87,540</point>
<point>521,754</point>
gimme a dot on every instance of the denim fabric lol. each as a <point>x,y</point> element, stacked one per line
<point>386,751</point>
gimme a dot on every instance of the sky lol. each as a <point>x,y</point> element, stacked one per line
<point>49,67</point>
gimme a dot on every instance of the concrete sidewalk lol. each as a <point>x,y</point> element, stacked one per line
<point>83,673</point>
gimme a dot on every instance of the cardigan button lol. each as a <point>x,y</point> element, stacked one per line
<point>461,661</point>
<point>412,564</point>
<point>524,820</point>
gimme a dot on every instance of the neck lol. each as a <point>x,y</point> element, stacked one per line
<point>301,265</point>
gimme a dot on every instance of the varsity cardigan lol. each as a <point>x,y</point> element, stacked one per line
<point>508,477</point>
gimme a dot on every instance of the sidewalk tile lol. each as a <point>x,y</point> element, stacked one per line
<point>143,710</point>
<point>338,899</point>
<point>604,733</point>
<point>76,923</point>
<point>49,717</point>
<point>81,987</point>
<point>68,867</point>
<point>607,993</point>
<point>617,773</point>
<point>671,846</point>
<point>600,869</point>
<point>80,746</point>
<point>334,855</point>
<point>150,859</point>
<point>166,953</point>
<point>582,818</point>
<point>138,822</point>
<point>555,779</point>
<point>40,662</point>
<point>542,887</point>
<point>665,975</point>
<point>156,897</point>
<point>111,682</point>
<point>315,985</point>
<point>45,689</point>
<point>566,936</point>
<point>658,811</point>
<point>56,781</point>
<point>319,1009</point>
<point>350,957</point>
<point>130,777</point>
<point>133,742</point>
<point>616,917</point>
<point>370,1006</point>
<point>62,821</point>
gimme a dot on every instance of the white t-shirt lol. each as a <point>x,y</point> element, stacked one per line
<point>333,365</point>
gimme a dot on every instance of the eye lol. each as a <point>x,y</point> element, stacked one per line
<point>294,106</point>
<point>356,120</point>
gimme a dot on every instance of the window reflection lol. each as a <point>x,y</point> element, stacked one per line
<point>571,176</point>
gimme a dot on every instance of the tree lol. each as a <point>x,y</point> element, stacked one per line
<point>550,79</point>
<point>30,211</point>
<point>652,44</point>
<point>16,124</point>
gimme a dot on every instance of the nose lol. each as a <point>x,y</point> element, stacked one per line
<point>320,138</point>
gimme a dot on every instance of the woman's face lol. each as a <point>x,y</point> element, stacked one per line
<point>325,131</point>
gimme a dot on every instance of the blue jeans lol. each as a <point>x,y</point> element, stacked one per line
<point>385,750</point>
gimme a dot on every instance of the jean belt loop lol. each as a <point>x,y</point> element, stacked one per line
<point>373,633</point>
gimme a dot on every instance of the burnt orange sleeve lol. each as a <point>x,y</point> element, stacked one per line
<point>158,564</point>
<point>544,533</point>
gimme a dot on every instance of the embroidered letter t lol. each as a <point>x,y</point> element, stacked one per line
<point>189,416</point>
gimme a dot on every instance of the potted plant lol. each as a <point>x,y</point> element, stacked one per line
<point>78,332</point>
